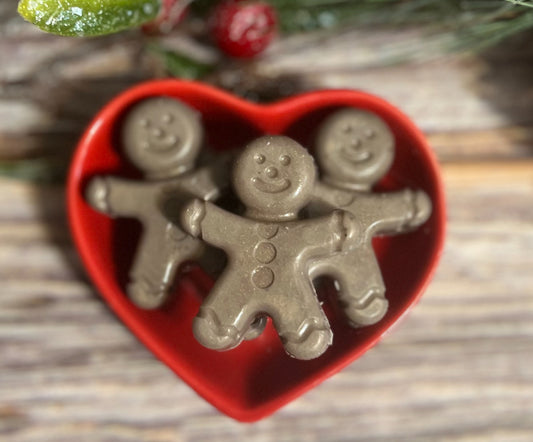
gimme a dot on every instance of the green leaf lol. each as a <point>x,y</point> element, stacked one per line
<point>84,18</point>
<point>182,66</point>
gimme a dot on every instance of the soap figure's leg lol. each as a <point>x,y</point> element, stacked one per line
<point>225,316</point>
<point>301,324</point>
<point>360,286</point>
<point>256,328</point>
<point>163,248</point>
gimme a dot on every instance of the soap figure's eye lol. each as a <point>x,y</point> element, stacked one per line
<point>259,159</point>
<point>285,160</point>
<point>370,133</point>
<point>167,118</point>
<point>347,128</point>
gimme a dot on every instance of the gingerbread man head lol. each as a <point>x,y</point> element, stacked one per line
<point>354,148</point>
<point>162,137</point>
<point>274,178</point>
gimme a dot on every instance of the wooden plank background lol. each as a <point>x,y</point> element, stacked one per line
<point>460,367</point>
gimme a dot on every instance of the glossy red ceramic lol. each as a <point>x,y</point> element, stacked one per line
<point>257,378</point>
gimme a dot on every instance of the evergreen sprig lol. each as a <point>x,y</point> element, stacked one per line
<point>522,3</point>
<point>304,15</point>
<point>449,25</point>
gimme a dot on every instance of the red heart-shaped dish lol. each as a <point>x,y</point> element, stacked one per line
<point>258,377</point>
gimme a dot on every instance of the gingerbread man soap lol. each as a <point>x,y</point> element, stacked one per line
<point>162,137</point>
<point>269,251</point>
<point>354,150</point>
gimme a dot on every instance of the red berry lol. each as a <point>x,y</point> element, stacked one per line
<point>243,28</point>
<point>172,13</point>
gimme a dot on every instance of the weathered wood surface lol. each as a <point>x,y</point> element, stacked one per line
<point>458,368</point>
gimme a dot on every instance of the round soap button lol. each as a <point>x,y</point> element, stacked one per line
<point>265,252</point>
<point>263,277</point>
<point>267,231</point>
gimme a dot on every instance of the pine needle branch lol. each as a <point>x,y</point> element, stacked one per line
<point>521,3</point>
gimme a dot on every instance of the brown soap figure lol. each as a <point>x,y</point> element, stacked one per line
<point>162,137</point>
<point>354,150</point>
<point>269,251</point>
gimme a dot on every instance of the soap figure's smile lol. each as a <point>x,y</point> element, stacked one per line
<point>158,139</point>
<point>276,186</point>
<point>355,156</point>
<point>273,184</point>
<point>159,142</point>
<point>356,145</point>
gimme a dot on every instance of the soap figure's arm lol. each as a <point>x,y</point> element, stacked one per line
<point>327,198</point>
<point>214,225</point>
<point>118,197</point>
<point>329,234</point>
<point>206,183</point>
<point>393,212</point>
<point>423,209</point>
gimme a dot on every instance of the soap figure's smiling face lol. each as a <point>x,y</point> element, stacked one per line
<point>162,136</point>
<point>274,177</point>
<point>354,147</point>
